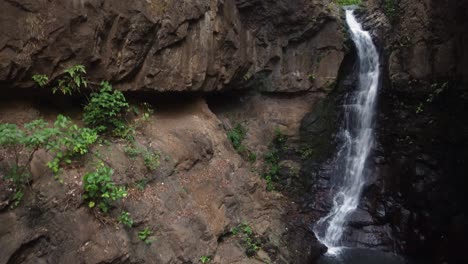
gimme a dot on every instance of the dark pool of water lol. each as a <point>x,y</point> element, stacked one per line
<point>363,256</point>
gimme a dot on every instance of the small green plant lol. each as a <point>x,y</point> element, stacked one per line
<point>250,242</point>
<point>311,77</point>
<point>132,152</point>
<point>17,197</point>
<point>141,184</point>
<point>125,219</point>
<point>390,9</point>
<point>279,139</point>
<point>145,235</point>
<point>272,159</point>
<point>348,2</point>
<point>100,190</point>
<point>251,157</point>
<point>73,80</point>
<point>105,111</point>
<point>420,108</point>
<point>205,259</point>
<point>151,160</point>
<point>306,152</point>
<point>438,89</point>
<point>129,131</point>
<point>41,80</point>
<point>237,136</point>
<point>272,168</point>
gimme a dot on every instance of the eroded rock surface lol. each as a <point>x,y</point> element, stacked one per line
<point>201,190</point>
<point>165,45</point>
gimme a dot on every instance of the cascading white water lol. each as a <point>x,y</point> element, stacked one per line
<point>357,135</point>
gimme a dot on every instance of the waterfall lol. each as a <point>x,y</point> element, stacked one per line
<point>357,136</point>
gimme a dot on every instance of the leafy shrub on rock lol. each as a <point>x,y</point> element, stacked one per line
<point>125,219</point>
<point>100,190</point>
<point>71,142</point>
<point>145,235</point>
<point>250,241</point>
<point>72,80</point>
<point>64,140</point>
<point>106,109</point>
<point>16,141</point>
<point>237,136</point>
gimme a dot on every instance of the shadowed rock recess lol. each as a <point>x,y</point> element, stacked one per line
<point>275,73</point>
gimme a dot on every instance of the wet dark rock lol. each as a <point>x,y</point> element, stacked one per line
<point>360,218</point>
<point>423,183</point>
<point>363,256</point>
<point>370,236</point>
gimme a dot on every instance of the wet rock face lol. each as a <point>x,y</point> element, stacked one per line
<point>414,200</point>
<point>423,40</point>
<point>196,45</point>
<point>423,135</point>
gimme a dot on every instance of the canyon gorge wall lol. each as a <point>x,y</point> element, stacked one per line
<point>269,64</point>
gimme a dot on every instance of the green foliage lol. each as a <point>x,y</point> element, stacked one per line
<point>105,111</point>
<point>279,139</point>
<point>125,219</point>
<point>132,152</point>
<point>17,197</point>
<point>150,157</point>
<point>306,152</point>
<point>205,259</point>
<point>128,132</point>
<point>390,9</point>
<point>272,159</point>
<point>40,79</point>
<point>311,77</point>
<point>237,136</point>
<point>71,142</point>
<point>100,190</point>
<point>348,2</point>
<point>251,157</point>
<point>151,160</point>
<point>419,108</point>
<point>141,184</point>
<point>73,80</point>
<point>438,88</point>
<point>18,142</point>
<point>272,168</point>
<point>65,140</point>
<point>250,242</point>
<point>145,235</point>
